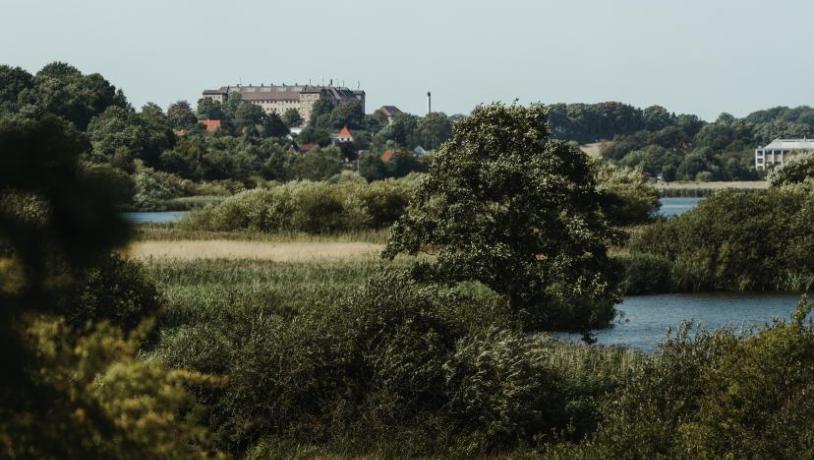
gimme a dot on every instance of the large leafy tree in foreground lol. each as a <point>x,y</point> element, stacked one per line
<point>508,207</point>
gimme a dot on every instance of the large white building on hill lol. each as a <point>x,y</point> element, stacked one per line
<point>779,151</point>
<point>279,98</point>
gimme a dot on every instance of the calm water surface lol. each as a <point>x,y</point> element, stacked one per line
<point>669,207</point>
<point>645,320</point>
<point>674,206</point>
<point>163,217</point>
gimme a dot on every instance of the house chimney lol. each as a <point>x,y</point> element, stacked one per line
<point>429,102</point>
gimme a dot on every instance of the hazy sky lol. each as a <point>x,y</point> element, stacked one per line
<point>695,56</point>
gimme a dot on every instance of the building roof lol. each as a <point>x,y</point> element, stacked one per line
<point>211,125</point>
<point>388,155</point>
<point>283,92</point>
<point>390,110</point>
<point>345,133</point>
<point>791,144</point>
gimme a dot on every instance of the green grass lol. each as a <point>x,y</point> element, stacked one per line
<point>199,291</point>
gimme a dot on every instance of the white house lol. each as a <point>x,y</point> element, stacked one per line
<point>780,150</point>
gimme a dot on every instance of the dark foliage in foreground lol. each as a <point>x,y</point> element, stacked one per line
<point>715,395</point>
<point>396,367</point>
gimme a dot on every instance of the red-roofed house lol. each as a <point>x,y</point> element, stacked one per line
<point>388,155</point>
<point>343,136</point>
<point>211,125</point>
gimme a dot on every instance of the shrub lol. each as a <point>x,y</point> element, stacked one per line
<point>738,241</point>
<point>502,393</point>
<point>311,207</point>
<point>719,395</point>
<point>396,368</point>
<point>794,171</point>
<point>646,274</point>
<point>107,402</point>
<point>627,196</point>
<point>114,290</point>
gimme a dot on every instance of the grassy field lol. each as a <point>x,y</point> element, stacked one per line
<point>202,288</point>
<point>264,250</point>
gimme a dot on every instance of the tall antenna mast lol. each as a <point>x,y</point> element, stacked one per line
<point>429,102</point>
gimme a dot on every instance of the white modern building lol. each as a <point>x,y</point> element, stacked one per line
<point>781,150</point>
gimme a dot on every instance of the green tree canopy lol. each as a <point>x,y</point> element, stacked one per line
<point>210,110</point>
<point>13,81</point>
<point>181,116</point>
<point>319,164</point>
<point>273,126</point>
<point>120,132</point>
<point>433,130</point>
<point>248,115</point>
<point>349,114</point>
<point>63,90</point>
<point>321,114</point>
<point>292,118</point>
<point>520,213</point>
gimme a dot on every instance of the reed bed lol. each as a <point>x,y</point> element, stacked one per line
<point>173,232</point>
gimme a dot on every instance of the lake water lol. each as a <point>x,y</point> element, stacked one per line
<point>669,207</point>
<point>163,217</point>
<point>674,206</point>
<point>645,320</point>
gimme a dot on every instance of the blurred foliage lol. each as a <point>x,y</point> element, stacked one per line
<point>72,384</point>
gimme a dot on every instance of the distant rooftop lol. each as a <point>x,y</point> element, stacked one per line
<point>390,110</point>
<point>791,144</point>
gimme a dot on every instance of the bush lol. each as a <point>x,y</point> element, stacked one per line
<point>311,207</point>
<point>794,171</point>
<point>502,393</point>
<point>395,368</point>
<point>646,274</point>
<point>718,395</point>
<point>105,400</point>
<point>738,241</point>
<point>627,196</point>
<point>114,290</point>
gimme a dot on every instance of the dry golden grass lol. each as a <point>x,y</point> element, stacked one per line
<point>256,250</point>
<point>593,150</point>
<point>758,184</point>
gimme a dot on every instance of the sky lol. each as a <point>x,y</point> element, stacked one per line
<point>691,56</point>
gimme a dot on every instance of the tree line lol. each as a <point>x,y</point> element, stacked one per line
<point>679,146</point>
